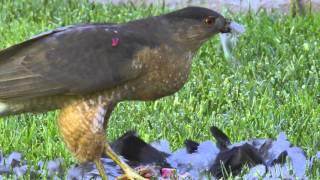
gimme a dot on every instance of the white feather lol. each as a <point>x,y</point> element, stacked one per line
<point>229,40</point>
<point>195,163</point>
<point>162,145</point>
<point>3,107</point>
<point>238,28</point>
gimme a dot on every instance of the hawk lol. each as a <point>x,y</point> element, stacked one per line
<point>85,70</point>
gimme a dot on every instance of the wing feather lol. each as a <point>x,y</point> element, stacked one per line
<point>69,61</point>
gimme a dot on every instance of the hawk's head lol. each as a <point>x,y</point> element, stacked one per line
<point>192,26</point>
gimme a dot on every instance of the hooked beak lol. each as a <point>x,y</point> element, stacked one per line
<point>226,28</point>
<point>232,27</point>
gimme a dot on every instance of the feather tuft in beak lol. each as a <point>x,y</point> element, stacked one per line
<point>229,40</point>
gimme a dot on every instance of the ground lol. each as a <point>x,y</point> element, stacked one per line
<point>275,86</point>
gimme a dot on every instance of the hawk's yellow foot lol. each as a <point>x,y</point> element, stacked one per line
<point>129,173</point>
<point>101,169</point>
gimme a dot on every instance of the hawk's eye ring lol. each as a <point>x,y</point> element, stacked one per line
<point>209,20</point>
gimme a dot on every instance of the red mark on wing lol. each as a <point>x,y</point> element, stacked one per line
<point>115,42</point>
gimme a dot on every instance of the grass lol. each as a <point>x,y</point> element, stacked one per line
<point>275,88</point>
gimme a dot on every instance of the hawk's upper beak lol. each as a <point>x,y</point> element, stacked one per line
<point>231,26</point>
<point>226,28</point>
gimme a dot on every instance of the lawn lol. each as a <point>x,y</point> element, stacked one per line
<point>275,86</point>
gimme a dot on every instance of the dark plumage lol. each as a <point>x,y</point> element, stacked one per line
<point>191,146</point>
<point>230,160</point>
<point>85,70</point>
<point>138,152</point>
<point>222,139</point>
<point>233,160</point>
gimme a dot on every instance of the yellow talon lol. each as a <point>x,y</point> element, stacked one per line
<point>101,169</point>
<point>129,173</point>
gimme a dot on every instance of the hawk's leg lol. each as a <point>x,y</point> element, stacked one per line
<point>82,124</point>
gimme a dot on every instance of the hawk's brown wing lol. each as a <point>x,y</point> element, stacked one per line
<point>69,61</point>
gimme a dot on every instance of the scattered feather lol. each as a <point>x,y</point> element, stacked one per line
<point>267,159</point>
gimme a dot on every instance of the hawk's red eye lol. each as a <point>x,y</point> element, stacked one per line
<point>209,20</point>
